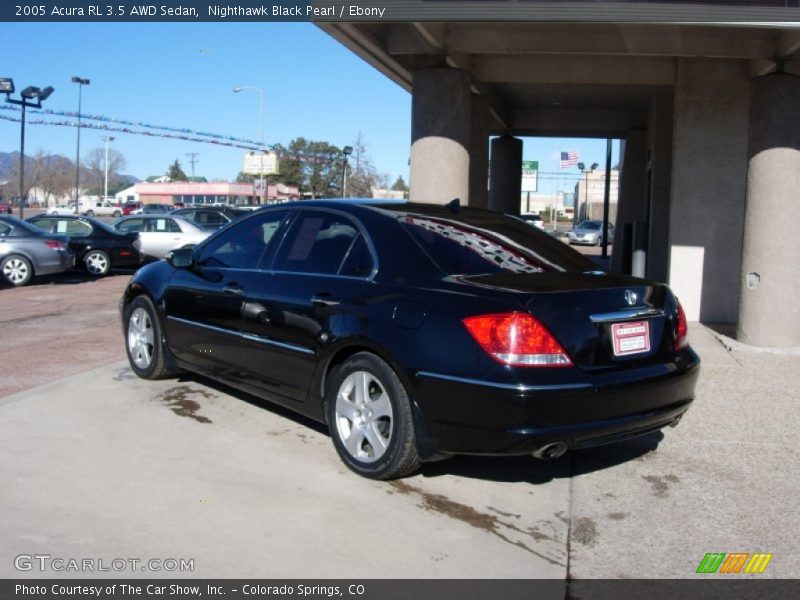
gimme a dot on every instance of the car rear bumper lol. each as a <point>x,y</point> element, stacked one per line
<point>466,416</point>
<point>58,262</point>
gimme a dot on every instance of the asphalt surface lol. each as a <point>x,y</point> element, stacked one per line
<point>100,464</point>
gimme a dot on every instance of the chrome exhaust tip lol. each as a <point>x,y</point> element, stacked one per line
<point>550,451</point>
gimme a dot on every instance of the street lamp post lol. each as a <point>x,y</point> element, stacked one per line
<point>346,151</point>
<point>260,91</point>
<point>81,82</point>
<point>106,139</point>
<point>29,97</point>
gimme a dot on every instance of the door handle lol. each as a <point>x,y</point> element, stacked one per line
<point>324,299</point>
<point>233,288</point>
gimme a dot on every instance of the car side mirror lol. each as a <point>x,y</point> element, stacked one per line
<point>181,258</point>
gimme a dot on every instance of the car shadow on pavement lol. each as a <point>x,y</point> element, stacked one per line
<point>490,468</point>
<point>531,470</point>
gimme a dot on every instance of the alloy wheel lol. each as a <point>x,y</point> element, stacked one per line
<point>364,418</point>
<point>96,263</point>
<point>141,338</point>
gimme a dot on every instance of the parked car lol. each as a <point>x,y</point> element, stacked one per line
<point>129,207</point>
<point>533,219</point>
<point>100,208</point>
<point>26,251</point>
<point>210,218</point>
<point>160,234</point>
<point>416,331</point>
<point>590,233</point>
<point>153,209</point>
<point>97,247</point>
<point>61,209</point>
<point>6,208</point>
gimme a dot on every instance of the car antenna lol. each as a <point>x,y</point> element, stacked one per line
<point>454,205</point>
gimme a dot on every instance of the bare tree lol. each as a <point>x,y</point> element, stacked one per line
<point>55,175</point>
<point>95,166</point>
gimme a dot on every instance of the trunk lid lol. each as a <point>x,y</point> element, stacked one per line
<point>604,321</point>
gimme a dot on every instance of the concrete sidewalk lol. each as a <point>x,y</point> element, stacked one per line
<point>104,465</point>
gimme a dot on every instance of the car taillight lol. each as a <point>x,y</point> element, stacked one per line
<point>517,339</point>
<point>54,245</point>
<point>681,329</point>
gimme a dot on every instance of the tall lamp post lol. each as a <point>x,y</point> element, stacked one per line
<point>32,97</point>
<point>585,171</point>
<point>346,151</point>
<point>81,82</point>
<point>106,139</point>
<point>236,90</point>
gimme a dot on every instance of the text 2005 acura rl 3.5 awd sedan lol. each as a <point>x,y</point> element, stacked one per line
<point>417,331</point>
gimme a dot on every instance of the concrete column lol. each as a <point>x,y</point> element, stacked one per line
<point>709,171</point>
<point>440,135</point>
<point>479,153</point>
<point>769,313</point>
<point>505,177</point>
<point>659,134</point>
<point>632,206</point>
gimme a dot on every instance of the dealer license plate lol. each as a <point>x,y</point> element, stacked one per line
<point>630,338</point>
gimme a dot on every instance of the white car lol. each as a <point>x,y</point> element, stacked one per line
<point>100,208</point>
<point>61,209</point>
<point>160,234</point>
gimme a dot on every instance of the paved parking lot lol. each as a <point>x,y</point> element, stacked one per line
<point>99,464</point>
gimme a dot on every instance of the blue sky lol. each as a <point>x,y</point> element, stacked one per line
<point>182,75</point>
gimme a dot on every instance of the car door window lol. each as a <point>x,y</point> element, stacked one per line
<point>162,226</point>
<point>242,246</point>
<point>4,230</point>
<point>318,242</point>
<point>44,224</point>
<point>131,225</point>
<point>72,228</point>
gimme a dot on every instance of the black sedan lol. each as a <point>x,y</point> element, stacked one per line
<point>417,331</point>
<point>97,247</point>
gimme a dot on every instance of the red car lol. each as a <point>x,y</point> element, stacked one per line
<point>6,208</point>
<point>129,207</point>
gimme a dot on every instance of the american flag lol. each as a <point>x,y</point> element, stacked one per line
<point>569,159</point>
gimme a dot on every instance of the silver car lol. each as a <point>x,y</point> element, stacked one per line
<point>590,233</point>
<point>159,234</point>
<point>26,251</point>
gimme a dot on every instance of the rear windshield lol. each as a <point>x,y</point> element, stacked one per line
<point>476,242</point>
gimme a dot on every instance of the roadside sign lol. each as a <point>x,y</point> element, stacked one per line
<point>530,175</point>
<point>260,163</point>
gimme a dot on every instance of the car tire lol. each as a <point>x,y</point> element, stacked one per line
<point>144,344</point>
<point>89,213</point>
<point>370,420</point>
<point>97,263</point>
<point>117,214</point>
<point>16,269</point>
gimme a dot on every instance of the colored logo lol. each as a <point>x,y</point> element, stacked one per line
<point>734,562</point>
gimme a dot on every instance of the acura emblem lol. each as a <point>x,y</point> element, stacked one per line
<point>631,297</point>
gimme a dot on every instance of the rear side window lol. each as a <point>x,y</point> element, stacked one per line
<point>318,242</point>
<point>477,243</point>
<point>4,229</point>
<point>358,262</point>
